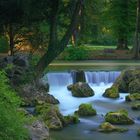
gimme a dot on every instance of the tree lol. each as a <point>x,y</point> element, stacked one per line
<point>11,13</point>
<point>136,47</point>
<point>121,15</point>
<point>55,47</point>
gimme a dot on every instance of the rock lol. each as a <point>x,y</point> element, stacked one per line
<point>46,99</point>
<point>134,86</point>
<point>118,117</point>
<point>127,82</point>
<point>138,132</point>
<point>51,116</point>
<point>78,76</point>
<point>136,106</point>
<point>33,95</point>
<point>69,87</point>
<point>111,93</point>
<point>71,119</point>
<point>20,60</point>
<point>81,90</point>
<point>107,127</point>
<point>86,110</point>
<point>43,85</point>
<point>38,131</point>
<point>133,97</point>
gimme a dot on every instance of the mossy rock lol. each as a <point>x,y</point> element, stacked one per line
<point>132,97</point>
<point>107,127</point>
<point>51,116</point>
<point>138,132</point>
<point>136,106</point>
<point>71,119</point>
<point>69,87</point>
<point>119,117</point>
<point>134,86</point>
<point>86,110</point>
<point>111,93</point>
<point>128,81</point>
<point>81,90</point>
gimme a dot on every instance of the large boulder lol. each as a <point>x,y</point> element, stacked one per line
<point>51,116</point>
<point>136,106</point>
<point>107,127</point>
<point>133,97</point>
<point>33,95</point>
<point>86,110</point>
<point>134,86</point>
<point>21,60</point>
<point>15,67</point>
<point>38,131</point>
<point>138,132</point>
<point>118,117</point>
<point>71,120</point>
<point>128,81</point>
<point>111,93</point>
<point>78,76</point>
<point>81,90</point>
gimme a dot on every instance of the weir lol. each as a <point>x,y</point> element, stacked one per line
<point>66,78</point>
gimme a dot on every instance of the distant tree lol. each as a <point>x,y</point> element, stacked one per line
<point>121,17</point>
<point>136,48</point>
<point>11,13</point>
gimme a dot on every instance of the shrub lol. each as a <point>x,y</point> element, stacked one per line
<point>11,121</point>
<point>76,53</point>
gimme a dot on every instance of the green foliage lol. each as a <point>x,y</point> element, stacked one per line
<point>121,17</point>
<point>75,53</point>
<point>3,45</point>
<point>11,121</point>
<point>86,110</point>
<point>34,60</point>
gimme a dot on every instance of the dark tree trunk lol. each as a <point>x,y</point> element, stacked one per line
<point>136,47</point>
<point>11,40</point>
<point>55,47</point>
<point>122,44</point>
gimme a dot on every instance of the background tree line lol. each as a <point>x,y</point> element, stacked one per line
<point>47,24</point>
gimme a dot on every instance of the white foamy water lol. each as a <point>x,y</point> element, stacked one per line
<point>68,103</point>
<point>99,82</point>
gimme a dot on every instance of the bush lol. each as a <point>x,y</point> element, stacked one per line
<point>76,53</point>
<point>4,46</point>
<point>11,121</point>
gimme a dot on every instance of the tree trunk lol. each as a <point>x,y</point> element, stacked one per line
<point>136,47</point>
<point>11,40</point>
<point>55,47</point>
<point>122,44</point>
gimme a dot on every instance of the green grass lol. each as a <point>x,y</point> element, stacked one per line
<point>99,47</point>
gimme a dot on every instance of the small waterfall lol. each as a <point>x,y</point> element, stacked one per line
<point>59,79</point>
<point>101,77</point>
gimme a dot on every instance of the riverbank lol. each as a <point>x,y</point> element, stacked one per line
<point>58,65</point>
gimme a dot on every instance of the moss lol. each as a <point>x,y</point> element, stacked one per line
<point>134,85</point>
<point>136,106</point>
<point>86,110</point>
<point>128,81</point>
<point>118,117</point>
<point>138,132</point>
<point>81,89</point>
<point>111,92</point>
<point>107,127</point>
<point>71,119</point>
<point>51,116</point>
<point>132,97</point>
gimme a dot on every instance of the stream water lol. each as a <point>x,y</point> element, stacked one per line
<point>85,130</point>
